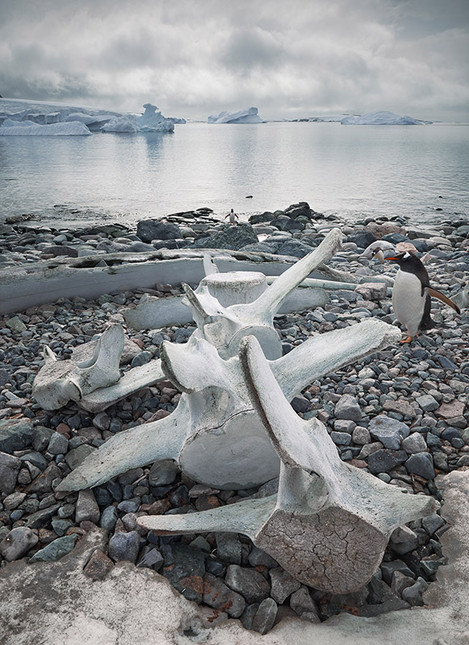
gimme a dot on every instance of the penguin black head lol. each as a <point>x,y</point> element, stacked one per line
<point>407,261</point>
<point>410,263</point>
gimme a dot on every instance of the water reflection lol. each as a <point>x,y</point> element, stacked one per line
<point>357,170</point>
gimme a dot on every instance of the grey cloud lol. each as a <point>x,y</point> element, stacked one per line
<point>193,58</point>
<point>253,47</point>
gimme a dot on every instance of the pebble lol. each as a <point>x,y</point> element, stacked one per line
<point>124,546</point>
<point>248,582</point>
<point>17,543</point>
<point>55,550</point>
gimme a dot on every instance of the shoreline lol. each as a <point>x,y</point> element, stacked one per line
<point>424,387</point>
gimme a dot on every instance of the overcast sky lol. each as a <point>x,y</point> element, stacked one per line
<point>192,58</point>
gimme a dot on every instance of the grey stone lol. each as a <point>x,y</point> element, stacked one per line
<point>75,456</point>
<point>163,473</point>
<point>37,460</point>
<point>102,421</point>
<point>55,550</point>
<point>265,616</point>
<point>283,584</point>
<point>152,559</point>
<point>58,444</point>
<point>41,518</point>
<point>13,501</point>
<point>361,436</point>
<point>427,402</point>
<point>432,523</point>
<point>124,546</point>
<point>232,237</point>
<point>60,527</point>
<point>218,595</point>
<point>248,582</point>
<point>347,408</point>
<point>109,518</point>
<point>98,566</point>
<point>384,460</point>
<point>128,505</point>
<point>41,438</point>
<point>421,464</point>
<point>403,540</point>
<point>413,594</point>
<point>414,443</point>
<point>184,567</point>
<point>389,431</point>
<point>87,507</point>
<point>9,469</point>
<point>149,230</point>
<point>344,425</point>
<point>341,438</point>
<point>15,434</point>
<point>400,582</point>
<point>229,548</point>
<point>388,568</point>
<point>141,359</point>
<point>301,602</point>
<point>257,557</point>
<point>43,483</point>
<point>16,324</point>
<point>17,543</point>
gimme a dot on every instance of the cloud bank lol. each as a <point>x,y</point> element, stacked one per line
<point>197,57</point>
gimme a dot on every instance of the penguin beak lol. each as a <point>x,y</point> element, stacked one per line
<point>391,258</point>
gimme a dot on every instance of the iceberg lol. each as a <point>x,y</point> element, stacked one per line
<point>250,115</point>
<point>73,128</point>
<point>149,121</point>
<point>382,118</point>
<point>40,113</point>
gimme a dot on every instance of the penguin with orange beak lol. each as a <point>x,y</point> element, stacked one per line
<point>412,293</point>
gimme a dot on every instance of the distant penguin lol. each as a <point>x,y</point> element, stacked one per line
<point>377,250</point>
<point>411,293</point>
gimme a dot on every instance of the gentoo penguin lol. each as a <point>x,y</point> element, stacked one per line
<point>377,249</point>
<point>411,293</point>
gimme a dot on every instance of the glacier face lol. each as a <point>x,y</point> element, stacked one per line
<point>381,118</point>
<point>250,115</point>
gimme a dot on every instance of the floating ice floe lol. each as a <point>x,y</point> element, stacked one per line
<point>382,118</point>
<point>150,121</point>
<point>243,116</point>
<point>25,128</point>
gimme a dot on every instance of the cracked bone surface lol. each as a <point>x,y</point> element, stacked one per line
<point>330,522</point>
<point>224,443</point>
<point>59,382</point>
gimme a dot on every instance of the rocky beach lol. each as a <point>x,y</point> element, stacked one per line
<point>402,414</point>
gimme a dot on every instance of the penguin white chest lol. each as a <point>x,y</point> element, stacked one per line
<point>408,301</point>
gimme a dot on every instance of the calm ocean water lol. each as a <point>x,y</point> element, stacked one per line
<point>420,172</point>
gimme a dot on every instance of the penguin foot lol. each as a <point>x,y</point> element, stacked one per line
<point>406,340</point>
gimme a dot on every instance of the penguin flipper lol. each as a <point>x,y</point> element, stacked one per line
<point>441,296</point>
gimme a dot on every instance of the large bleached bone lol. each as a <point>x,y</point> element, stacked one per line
<point>330,522</point>
<point>225,444</point>
<point>227,307</point>
<point>59,382</point>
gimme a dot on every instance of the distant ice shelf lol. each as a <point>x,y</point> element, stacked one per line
<point>382,118</point>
